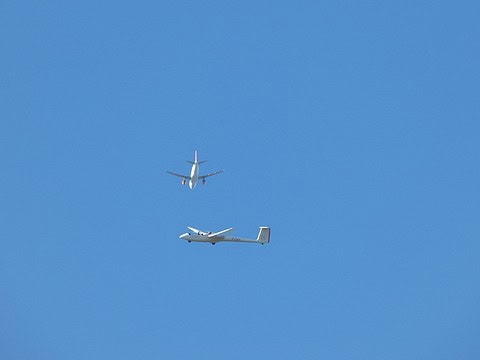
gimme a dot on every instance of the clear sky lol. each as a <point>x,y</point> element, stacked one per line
<point>350,128</point>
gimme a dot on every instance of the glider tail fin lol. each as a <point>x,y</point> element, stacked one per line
<point>264,235</point>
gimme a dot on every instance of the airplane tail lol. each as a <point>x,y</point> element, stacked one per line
<point>264,235</point>
<point>195,159</point>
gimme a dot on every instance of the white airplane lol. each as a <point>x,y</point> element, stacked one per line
<point>203,236</point>
<point>194,177</point>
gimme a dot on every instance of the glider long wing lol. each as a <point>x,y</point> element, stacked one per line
<point>221,232</point>
<point>196,231</point>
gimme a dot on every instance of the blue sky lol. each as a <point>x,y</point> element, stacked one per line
<point>351,129</point>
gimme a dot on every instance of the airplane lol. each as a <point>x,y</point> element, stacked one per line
<point>194,177</point>
<point>211,237</point>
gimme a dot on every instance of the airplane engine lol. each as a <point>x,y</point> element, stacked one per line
<point>203,182</point>
<point>184,182</point>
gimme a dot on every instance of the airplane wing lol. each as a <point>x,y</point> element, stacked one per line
<point>182,176</point>
<point>221,232</point>
<point>205,176</point>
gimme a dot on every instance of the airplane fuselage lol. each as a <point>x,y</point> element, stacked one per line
<point>194,175</point>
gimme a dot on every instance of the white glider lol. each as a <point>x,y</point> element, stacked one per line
<point>194,177</point>
<point>211,237</point>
